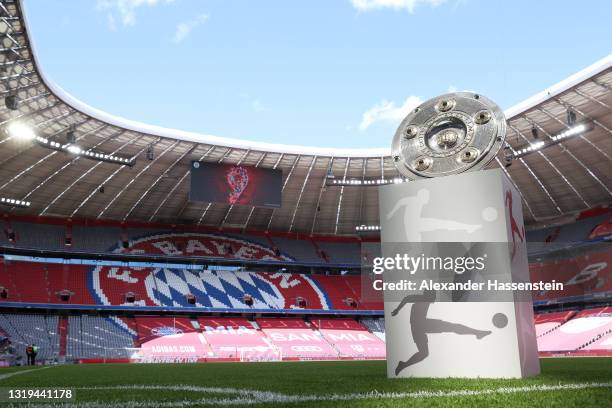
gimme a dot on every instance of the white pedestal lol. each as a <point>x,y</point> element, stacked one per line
<point>469,342</point>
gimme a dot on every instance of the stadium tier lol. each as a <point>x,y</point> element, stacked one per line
<point>583,330</point>
<point>585,277</point>
<point>24,329</point>
<point>175,338</point>
<point>350,338</point>
<point>168,287</point>
<point>545,323</point>
<point>205,242</point>
<point>93,337</point>
<point>109,237</point>
<point>376,326</point>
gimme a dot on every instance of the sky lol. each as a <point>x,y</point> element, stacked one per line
<point>330,73</point>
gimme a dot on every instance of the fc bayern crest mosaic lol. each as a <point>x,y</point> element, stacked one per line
<point>216,289</point>
<point>449,134</point>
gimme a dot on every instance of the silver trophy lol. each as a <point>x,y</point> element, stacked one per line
<point>449,134</point>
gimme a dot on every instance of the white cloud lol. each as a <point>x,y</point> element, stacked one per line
<point>125,10</point>
<point>183,30</point>
<point>112,24</point>
<point>409,5</point>
<point>455,89</point>
<point>386,111</point>
<point>258,106</point>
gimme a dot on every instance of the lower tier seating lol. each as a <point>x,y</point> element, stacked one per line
<point>97,337</point>
<point>583,330</point>
<point>297,339</point>
<point>27,329</point>
<point>376,326</point>
<point>235,338</point>
<point>351,338</point>
<point>180,338</point>
<point>546,322</point>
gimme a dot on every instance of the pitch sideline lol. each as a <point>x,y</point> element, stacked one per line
<point>14,373</point>
<point>250,397</point>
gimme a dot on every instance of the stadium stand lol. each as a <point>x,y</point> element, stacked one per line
<point>169,287</point>
<point>546,323</point>
<point>236,338</point>
<point>582,330</point>
<point>72,282</point>
<point>376,326</point>
<point>108,239</point>
<point>94,337</point>
<point>50,234</point>
<point>178,338</point>
<point>152,327</point>
<point>297,339</point>
<point>571,233</point>
<point>585,276</point>
<point>25,329</point>
<point>602,342</point>
<point>350,338</point>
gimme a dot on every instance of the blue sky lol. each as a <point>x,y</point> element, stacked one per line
<point>332,73</point>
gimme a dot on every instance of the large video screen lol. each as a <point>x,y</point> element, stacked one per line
<point>235,184</point>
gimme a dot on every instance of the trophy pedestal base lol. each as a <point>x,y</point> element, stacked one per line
<point>459,339</point>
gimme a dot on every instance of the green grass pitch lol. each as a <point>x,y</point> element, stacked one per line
<point>569,382</point>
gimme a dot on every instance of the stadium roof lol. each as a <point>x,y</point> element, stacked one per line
<point>555,182</point>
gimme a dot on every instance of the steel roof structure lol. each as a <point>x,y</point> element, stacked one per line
<point>555,182</point>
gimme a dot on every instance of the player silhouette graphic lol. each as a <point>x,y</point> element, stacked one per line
<point>413,208</point>
<point>421,326</point>
<point>514,228</point>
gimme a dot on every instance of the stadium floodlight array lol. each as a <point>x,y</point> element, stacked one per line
<point>529,148</point>
<point>367,182</point>
<point>23,132</point>
<point>13,202</point>
<point>367,228</point>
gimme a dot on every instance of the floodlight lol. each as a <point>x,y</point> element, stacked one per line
<point>21,131</point>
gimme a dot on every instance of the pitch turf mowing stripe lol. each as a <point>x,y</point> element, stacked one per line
<point>249,397</point>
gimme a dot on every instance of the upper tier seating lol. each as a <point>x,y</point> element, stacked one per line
<point>575,232</point>
<point>108,238</point>
<point>102,239</point>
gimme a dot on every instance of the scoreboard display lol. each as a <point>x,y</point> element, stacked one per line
<point>235,184</point>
